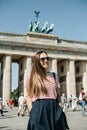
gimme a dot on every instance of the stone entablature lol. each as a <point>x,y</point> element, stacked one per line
<point>40,38</point>
<point>57,48</point>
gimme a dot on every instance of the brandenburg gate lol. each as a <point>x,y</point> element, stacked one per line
<point>69,60</point>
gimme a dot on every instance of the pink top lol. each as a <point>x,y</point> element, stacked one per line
<point>50,86</point>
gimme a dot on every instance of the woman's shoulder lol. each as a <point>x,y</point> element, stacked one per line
<point>51,74</point>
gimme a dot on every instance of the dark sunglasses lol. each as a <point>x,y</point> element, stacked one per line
<point>45,58</point>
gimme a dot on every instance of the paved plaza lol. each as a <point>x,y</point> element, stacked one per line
<point>13,122</point>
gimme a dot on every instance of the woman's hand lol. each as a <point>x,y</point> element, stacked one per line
<point>29,103</point>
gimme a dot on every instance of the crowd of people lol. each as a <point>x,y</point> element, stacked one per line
<point>71,103</point>
<point>74,102</point>
<point>21,103</point>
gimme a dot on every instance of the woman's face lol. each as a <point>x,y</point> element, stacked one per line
<point>44,60</point>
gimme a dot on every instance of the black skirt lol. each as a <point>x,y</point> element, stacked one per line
<point>46,114</point>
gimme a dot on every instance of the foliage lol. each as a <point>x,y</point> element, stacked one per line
<point>15,93</point>
<point>15,96</point>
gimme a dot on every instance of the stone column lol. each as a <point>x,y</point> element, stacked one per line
<point>54,65</point>
<point>7,74</point>
<point>27,71</point>
<point>71,85</point>
<point>85,76</point>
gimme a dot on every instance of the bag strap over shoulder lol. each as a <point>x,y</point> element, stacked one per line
<point>57,91</point>
<point>54,75</point>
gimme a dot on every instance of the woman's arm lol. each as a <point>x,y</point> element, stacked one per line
<point>58,96</point>
<point>29,103</point>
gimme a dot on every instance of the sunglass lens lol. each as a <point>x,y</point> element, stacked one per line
<point>44,58</point>
<point>47,58</point>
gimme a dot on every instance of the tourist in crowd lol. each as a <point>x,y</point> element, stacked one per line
<point>74,103</point>
<point>1,107</point>
<point>70,101</point>
<point>82,100</point>
<point>63,101</point>
<point>6,105</point>
<point>21,104</point>
<point>11,102</point>
<point>43,96</point>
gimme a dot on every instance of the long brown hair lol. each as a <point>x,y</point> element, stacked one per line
<point>37,77</point>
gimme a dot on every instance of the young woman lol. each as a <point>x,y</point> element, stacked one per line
<point>43,91</point>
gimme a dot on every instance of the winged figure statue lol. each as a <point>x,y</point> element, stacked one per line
<point>37,13</point>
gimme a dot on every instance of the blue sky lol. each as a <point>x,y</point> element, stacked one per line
<point>68,16</point>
